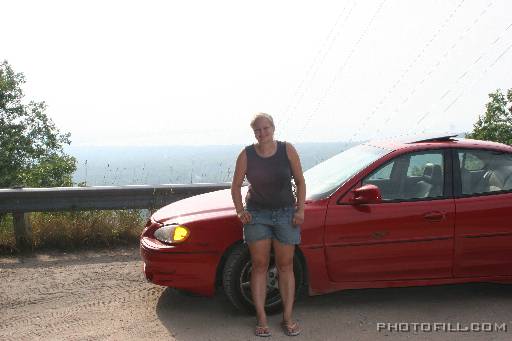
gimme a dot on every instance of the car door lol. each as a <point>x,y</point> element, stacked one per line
<point>483,229</point>
<point>409,235</point>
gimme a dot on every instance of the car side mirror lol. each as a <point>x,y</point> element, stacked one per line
<point>367,194</point>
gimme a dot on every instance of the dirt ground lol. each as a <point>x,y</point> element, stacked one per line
<point>102,295</point>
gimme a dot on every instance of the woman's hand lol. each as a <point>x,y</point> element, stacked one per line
<point>244,216</point>
<point>298,217</point>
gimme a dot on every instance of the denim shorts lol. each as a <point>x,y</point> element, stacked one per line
<point>272,223</point>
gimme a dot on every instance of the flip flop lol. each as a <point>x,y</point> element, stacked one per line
<point>262,331</point>
<point>291,328</point>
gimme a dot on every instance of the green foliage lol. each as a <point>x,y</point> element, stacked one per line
<point>7,239</point>
<point>496,123</point>
<point>31,153</point>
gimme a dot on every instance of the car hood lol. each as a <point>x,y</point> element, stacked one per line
<point>208,205</point>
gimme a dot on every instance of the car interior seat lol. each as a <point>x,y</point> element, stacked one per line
<point>465,179</point>
<point>484,183</point>
<point>431,184</point>
<point>501,179</point>
<point>496,180</point>
<point>436,180</point>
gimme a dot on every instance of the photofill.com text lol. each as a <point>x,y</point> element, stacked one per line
<point>428,327</point>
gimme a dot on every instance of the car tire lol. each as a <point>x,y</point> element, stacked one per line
<point>236,276</point>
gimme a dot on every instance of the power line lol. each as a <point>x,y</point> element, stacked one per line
<point>485,72</point>
<point>439,62</point>
<point>463,75</point>
<point>340,70</point>
<point>408,68</point>
<point>468,85</point>
<point>318,61</point>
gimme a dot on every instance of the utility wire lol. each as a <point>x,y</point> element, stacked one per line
<point>313,69</point>
<point>478,79</point>
<point>339,71</point>
<point>466,72</point>
<point>407,69</point>
<point>318,61</point>
<point>436,65</point>
<point>468,85</point>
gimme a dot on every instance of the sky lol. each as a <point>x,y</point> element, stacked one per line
<point>149,72</point>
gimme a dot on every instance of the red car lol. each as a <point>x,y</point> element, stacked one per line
<point>381,214</point>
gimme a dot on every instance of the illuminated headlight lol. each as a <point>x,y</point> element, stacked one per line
<point>172,234</point>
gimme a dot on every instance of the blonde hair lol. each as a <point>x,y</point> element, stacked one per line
<point>262,115</point>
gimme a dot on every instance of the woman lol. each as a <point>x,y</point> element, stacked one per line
<point>271,215</point>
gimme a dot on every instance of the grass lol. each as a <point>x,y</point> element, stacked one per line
<point>7,241</point>
<point>76,230</point>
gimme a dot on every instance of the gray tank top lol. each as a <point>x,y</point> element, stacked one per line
<point>269,179</point>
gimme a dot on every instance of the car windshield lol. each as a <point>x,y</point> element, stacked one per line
<point>324,178</point>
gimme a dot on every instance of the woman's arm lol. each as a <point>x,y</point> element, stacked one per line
<point>236,187</point>
<point>298,178</point>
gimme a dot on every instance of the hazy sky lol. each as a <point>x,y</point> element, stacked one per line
<point>194,72</point>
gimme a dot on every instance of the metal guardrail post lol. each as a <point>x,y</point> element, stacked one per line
<point>22,231</point>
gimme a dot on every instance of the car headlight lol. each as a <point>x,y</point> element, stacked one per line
<point>172,233</point>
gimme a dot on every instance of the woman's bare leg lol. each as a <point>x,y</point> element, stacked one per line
<point>260,255</point>
<point>284,262</point>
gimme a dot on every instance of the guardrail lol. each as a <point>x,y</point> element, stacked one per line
<point>20,201</point>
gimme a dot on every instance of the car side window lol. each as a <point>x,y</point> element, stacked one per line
<point>410,177</point>
<point>384,173</point>
<point>484,171</point>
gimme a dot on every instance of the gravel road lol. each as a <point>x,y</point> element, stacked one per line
<point>102,295</point>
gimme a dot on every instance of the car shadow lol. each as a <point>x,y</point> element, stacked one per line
<point>190,317</point>
<point>351,311</point>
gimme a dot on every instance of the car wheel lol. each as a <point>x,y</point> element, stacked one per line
<point>236,280</point>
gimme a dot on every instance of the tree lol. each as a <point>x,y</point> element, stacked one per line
<point>496,123</point>
<point>31,147</point>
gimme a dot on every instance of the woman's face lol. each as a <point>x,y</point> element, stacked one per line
<point>263,130</point>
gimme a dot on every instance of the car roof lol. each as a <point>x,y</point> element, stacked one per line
<point>440,141</point>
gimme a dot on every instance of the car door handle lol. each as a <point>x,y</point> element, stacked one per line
<point>379,234</point>
<point>434,216</point>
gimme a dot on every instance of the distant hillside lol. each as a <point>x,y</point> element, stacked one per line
<point>99,166</point>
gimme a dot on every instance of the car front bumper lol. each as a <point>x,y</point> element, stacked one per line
<point>190,271</point>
